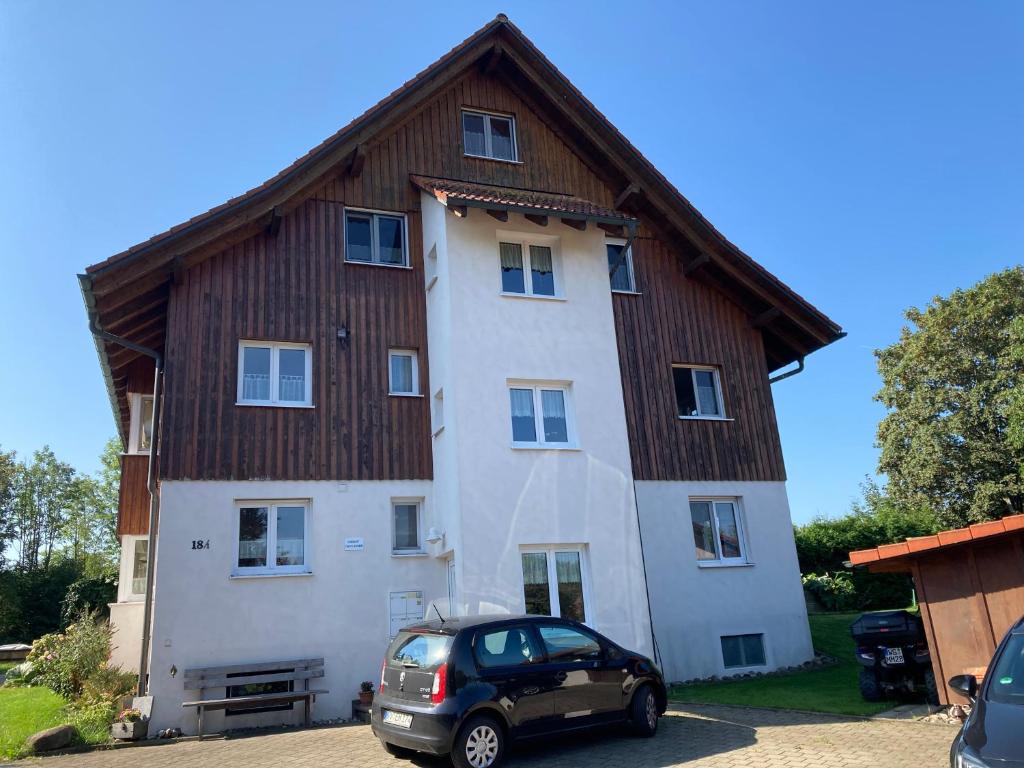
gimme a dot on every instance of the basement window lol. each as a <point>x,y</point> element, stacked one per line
<point>489,135</point>
<point>743,651</point>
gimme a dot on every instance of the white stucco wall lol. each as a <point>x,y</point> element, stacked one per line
<point>126,643</point>
<point>205,617</point>
<point>694,606</point>
<point>508,497</point>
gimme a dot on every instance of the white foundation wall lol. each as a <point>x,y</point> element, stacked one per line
<point>693,606</point>
<point>510,498</point>
<point>205,617</point>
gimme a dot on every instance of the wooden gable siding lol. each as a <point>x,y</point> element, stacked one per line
<point>295,286</point>
<point>430,144</point>
<point>679,320</point>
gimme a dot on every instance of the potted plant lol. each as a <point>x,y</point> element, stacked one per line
<point>129,726</point>
<point>366,693</point>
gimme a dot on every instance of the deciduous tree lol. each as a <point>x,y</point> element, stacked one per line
<point>950,385</point>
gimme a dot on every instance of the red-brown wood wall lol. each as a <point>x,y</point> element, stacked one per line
<point>296,286</point>
<point>970,595</point>
<point>133,502</point>
<point>673,320</point>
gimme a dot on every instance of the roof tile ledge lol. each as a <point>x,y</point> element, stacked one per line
<point>920,544</point>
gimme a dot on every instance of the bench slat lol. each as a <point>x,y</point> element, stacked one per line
<point>198,684</point>
<point>257,667</point>
<point>260,698</point>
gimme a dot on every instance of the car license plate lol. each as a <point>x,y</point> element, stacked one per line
<point>400,719</point>
<point>893,655</point>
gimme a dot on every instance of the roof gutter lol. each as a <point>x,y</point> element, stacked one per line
<point>85,281</point>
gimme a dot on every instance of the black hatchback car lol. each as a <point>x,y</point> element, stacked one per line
<point>468,685</point>
<point>993,735</point>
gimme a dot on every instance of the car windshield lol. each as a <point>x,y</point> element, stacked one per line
<point>1007,686</point>
<point>413,649</point>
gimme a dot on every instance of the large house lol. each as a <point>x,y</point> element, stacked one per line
<point>471,354</point>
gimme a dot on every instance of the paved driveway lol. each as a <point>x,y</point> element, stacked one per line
<point>697,736</point>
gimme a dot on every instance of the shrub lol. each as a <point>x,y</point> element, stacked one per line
<point>108,684</point>
<point>92,720</point>
<point>65,661</point>
<point>835,591</point>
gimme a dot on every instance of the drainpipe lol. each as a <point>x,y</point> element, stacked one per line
<point>151,475</point>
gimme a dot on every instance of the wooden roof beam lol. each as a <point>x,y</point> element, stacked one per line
<point>489,61</point>
<point>577,224</point>
<point>766,317</point>
<point>356,161</point>
<point>701,261</point>
<point>615,230</point>
<point>500,215</point>
<point>627,197</point>
<point>459,211</point>
<point>536,218</point>
<point>274,225</point>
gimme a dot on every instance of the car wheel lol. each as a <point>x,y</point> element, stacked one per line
<point>643,712</point>
<point>931,689</point>
<point>396,751</point>
<point>480,744</point>
<point>870,690</point>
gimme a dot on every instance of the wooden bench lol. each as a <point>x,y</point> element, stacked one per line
<point>296,672</point>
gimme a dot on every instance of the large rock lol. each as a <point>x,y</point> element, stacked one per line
<point>52,738</point>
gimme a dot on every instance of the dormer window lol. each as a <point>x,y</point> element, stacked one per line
<point>489,135</point>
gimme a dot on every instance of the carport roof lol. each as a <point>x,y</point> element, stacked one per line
<point>896,557</point>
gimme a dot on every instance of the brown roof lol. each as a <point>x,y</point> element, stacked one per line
<point>890,554</point>
<point>487,196</point>
<point>128,291</point>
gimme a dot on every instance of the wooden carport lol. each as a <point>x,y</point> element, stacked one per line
<point>970,585</point>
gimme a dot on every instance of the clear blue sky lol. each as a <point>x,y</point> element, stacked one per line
<point>868,153</point>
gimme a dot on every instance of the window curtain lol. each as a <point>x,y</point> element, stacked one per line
<point>535,583</point>
<point>553,405</point>
<point>706,394</point>
<point>401,373</point>
<point>291,375</point>
<point>512,279</point>
<point>543,275</point>
<point>524,428</point>
<point>570,585</point>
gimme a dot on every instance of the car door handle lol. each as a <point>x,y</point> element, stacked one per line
<point>560,676</point>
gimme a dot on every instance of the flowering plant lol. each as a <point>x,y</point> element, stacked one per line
<point>129,716</point>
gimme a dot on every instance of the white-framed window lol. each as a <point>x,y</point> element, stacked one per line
<point>140,436</point>
<point>406,526</point>
<point>140,566</point>
<point>272,537</point>
<point>529,269</point>
<point>485,134</point>
<point>698,392</point>
<point>376,237</point>
<point>555,581</point>
<point>403,372</point>
<point>541,415</point>
<point>622,280</point>
<point>743,651</point>
<point>718,535</point>
<point>275,373</point>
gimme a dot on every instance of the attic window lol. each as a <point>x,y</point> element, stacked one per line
<point>488,135</point>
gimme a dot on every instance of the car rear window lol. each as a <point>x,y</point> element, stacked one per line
<point>414,649</point>
<point>1007,686</point>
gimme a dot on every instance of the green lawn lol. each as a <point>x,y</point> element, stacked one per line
<point>24,711</point>
<point>832,689</point>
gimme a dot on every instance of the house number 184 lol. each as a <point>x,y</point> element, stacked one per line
<point>200,544</point>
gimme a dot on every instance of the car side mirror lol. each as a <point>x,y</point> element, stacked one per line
<point>965,684</point>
